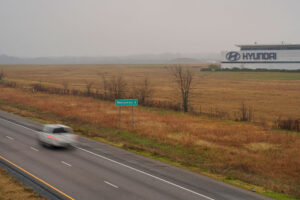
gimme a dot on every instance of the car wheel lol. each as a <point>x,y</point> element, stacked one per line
<point>44,144</point>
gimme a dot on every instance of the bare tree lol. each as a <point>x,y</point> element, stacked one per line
<point>2,75</point>
<point>183,78</point>
<point>144,91</point>
<point>65,85</point>
<point>88,86</point>
<point>246,113</point>
<point>117,88</point>
<point>105,87</point>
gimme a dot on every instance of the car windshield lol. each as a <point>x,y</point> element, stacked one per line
<point>60,130</point>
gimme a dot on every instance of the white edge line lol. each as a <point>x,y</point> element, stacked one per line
<point>145,173</point>
<point>63,162</point>
<point>137,170</point>
<point>34,149</point>
<point>19,125</point>
<point>108,183</point>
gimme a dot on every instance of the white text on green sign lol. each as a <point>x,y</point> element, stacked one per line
<point>126,102</point>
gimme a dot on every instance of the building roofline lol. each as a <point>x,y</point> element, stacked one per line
<point>267,45</point>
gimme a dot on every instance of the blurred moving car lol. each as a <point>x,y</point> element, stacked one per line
<point>57,135</point>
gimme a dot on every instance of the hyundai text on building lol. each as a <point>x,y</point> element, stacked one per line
<point>283,56</point>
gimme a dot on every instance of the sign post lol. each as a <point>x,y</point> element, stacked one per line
<point>126,102</point>
<point>120,118</point>
<point>132,119</point>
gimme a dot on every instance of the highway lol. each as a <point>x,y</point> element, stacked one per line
<point>94,170</point>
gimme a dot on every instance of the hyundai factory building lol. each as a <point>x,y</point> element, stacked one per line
<point>283,56</point>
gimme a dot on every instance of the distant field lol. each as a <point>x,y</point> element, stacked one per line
<point>270,94</point>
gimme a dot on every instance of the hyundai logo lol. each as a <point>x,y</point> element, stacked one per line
<point>233,56</point>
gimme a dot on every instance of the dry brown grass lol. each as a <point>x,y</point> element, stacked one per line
<point>11,188</point>
<point>245,151</point>
<point>249,152</point>
<point>270,94</point>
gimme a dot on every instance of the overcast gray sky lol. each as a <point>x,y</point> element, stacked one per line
<point>124,27</point>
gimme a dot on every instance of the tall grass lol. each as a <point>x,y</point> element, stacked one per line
<point>245,112</point>
<point>270,94</point>
<point>238,150</point>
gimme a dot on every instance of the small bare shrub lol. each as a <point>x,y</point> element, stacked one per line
<point>37,87</point>
<point>65,85</point>
<point>10,84</point>
<point>116,88</point>
<point>245,113</point>
<point>143,92</point>
<point>221,114</point>
<point>105,87</point>
<point>88,86</point>
<point>287,124</point>
<point>2,75</point>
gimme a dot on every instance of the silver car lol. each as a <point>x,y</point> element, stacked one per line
<point>57,135</point>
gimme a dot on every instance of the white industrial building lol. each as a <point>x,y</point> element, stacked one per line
<point>258,56</point>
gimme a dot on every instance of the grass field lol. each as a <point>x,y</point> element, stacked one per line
<point>11,188</point>
<point>237,151</point>
<point>270,94</point>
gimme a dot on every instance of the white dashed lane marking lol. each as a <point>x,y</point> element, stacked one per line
<point>63,162</point>
<point>108,183</point>
<point>145,173</point>
<point>121,164</point>
<point>10,138</point>
<point>34,149</point>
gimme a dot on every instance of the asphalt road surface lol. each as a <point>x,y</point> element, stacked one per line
<point>93,170</point>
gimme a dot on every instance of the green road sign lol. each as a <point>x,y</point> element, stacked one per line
<point>127,102</point>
